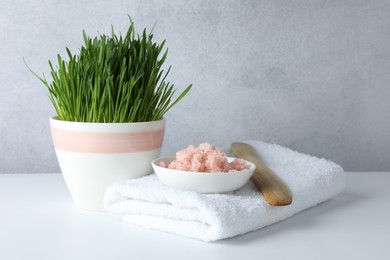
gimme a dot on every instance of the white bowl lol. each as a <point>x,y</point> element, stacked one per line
<point>200,181</point>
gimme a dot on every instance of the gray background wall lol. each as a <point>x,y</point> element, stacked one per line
<point>310,75</point>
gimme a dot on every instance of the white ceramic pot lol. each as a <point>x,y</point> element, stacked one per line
<point>94,155</point>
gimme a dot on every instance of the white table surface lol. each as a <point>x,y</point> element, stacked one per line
<point>39,221</point>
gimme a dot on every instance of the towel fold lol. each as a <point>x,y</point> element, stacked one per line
<point>149,203</point>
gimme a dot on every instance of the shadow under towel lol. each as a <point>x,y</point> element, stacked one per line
<point>149,203</point>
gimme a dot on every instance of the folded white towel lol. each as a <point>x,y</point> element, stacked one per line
<point>149,203</point>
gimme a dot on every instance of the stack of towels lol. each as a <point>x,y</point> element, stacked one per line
<point>149,203</point>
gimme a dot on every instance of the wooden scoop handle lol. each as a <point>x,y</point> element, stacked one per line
<point>274,190</point>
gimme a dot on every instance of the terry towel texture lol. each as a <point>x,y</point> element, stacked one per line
<point>147,202</point>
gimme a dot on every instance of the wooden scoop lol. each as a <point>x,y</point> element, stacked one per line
<point>274,190</point>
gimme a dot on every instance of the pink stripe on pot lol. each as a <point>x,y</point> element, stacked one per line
<point>94,142</point>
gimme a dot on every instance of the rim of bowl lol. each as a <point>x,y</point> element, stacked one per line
<point>171,158</point>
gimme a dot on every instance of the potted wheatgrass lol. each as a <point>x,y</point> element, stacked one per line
<point>110,101</point>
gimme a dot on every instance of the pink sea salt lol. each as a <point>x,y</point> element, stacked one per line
<point>204,158</point>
